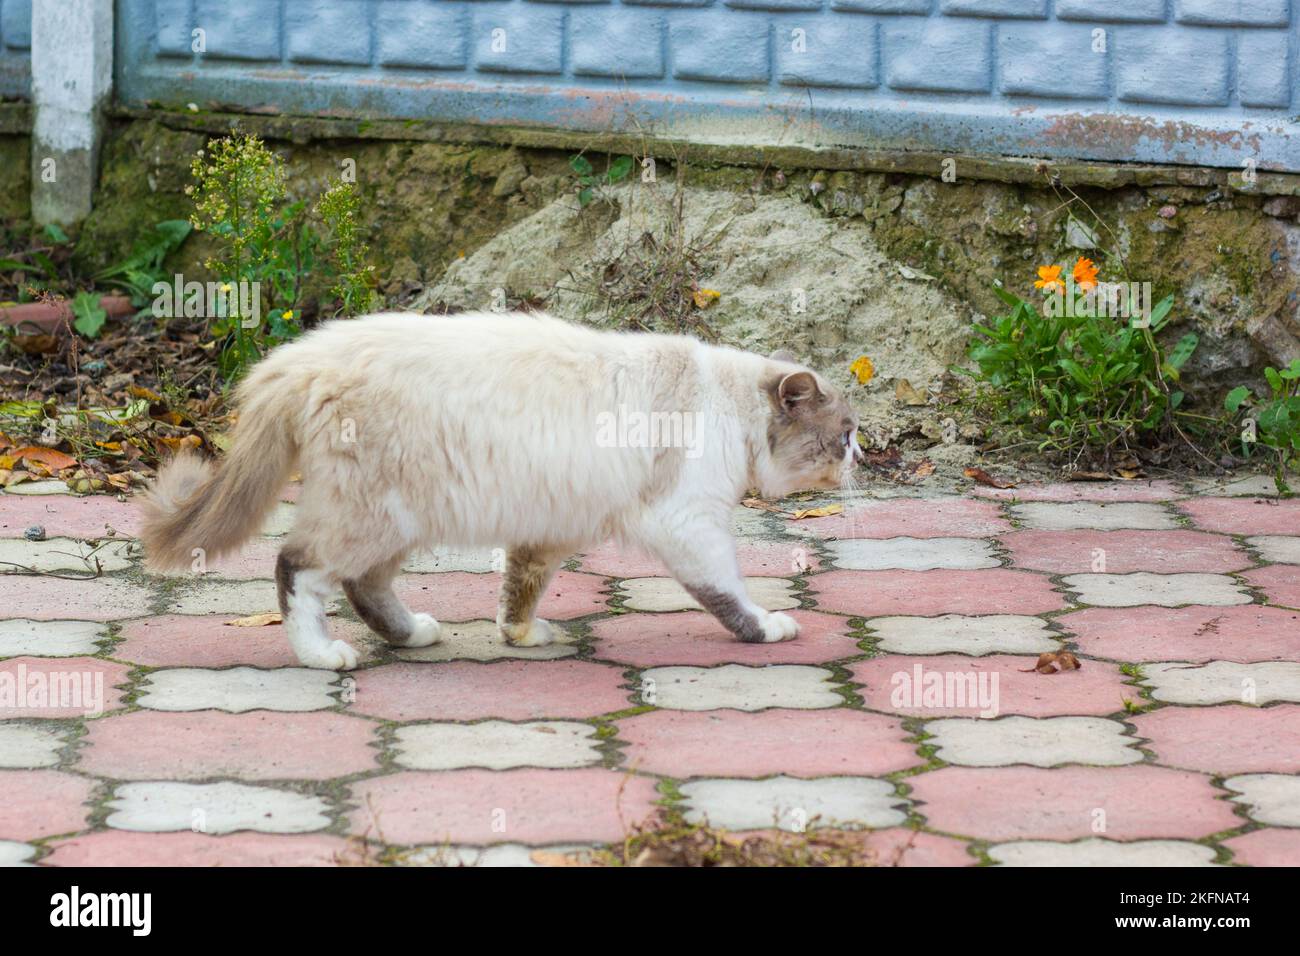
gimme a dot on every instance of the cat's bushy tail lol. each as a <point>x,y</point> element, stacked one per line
<point>199,509</point>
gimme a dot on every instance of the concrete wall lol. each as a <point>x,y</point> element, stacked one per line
<point>1207,82</point>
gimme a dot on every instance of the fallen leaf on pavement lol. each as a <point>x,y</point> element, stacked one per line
<point>822,512</point>
<point>256,620</point>
<point>1053,661</point>
<point>906,393</point>
<point>758,504</point>
<point>46,456</point>
<point>984,478</point>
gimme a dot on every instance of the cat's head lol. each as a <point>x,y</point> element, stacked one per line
<point>812,432</point>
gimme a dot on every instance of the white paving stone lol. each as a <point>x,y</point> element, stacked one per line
<point>1247,487</point>
<point>913,554</point>
<point>963,634</point>
<point>1095,851</point>
<point>51,486</point>
<point>13,853</point>
<point>748,523</point>
<point>477,561</point>
<point>501,854</point>
<point>1272,798</point>
<point>665,594</point>
<point>1166,590</point>
<point>239,689</point>
<point>63,554</point>
<point>1219,682</point>
<point>497,745</point>
<point>792,804</point>
<point>1093,515</point>
<point>19,637</point>
<point>1037,741</point>
<point>739,687</point>
<point>229,597</point>
<point>28,745</point>
<point>1278,548</point>
<point>280,521</point>
<point>164,806</point>
<point>481,641</point>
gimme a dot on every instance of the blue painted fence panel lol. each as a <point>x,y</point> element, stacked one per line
<point>16,48</point>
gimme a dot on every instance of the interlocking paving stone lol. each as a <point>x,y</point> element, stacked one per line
<point>510,690</point>
<point>150,745</point>
<point>51,599</point>
<point>280,521</point>
<point>225,807</point>
<point>178,640</point>
<point>1243,515</point>
<point>649,640</point>
<point>13,853</point>
<point>738,687</point>
<point>1067,803</point>
<point>227,597</point>
<point>1166,590</point>
<point>25,746</point>
<point>1253,486</point>
<point>502,854</point>
<point>239,689</point>
<point>461,596</point>
<point>1093,516</point>
<point>665,594</point>
<point>1247,632</point>
<point>52,486</point>
<point>49,638</point>
<point>124,848</point>
<point>1272,798</point>
<point>891,684</point>
<point>1098,852</point>
<point>480,807</point>
<point>1279,582</point>
<point>799,743</point>
<point>496,745</point>
<point>1220,682</point>
<point>475,561</point>
<point>63,554</point>
<point>1265,848</point>
<point>59,687</point>
<point>912,554</point>
<point>1282,548</point>
<point>963,634</point>
<point>42,803</point>
<point>65,516</point>
<point>1229,738</point>
<point>1085,491</point>
<point>256,559</point>
<point>1040,742</point>
<point>926,593</point>
<point>787,803</point>
<point>1121,552</point>
<point>482,641</point>
<point>911,517</point>
<point>756,558</point>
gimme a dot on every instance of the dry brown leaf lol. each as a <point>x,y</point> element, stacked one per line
<point>1129,474</point>
<point>551,858</point>
<point>5,441</point>
<point>923,468</point>
<point>11,478</point>
<point>758,504</point>
<point>1088,476</point>
<point>1052,661</point>
<point>984,478</point>
<point>256,620</point>
<point>46,456</point>
<point>906,393</point>
<point>139,391</point>
<point>823,512</point>
<point>703,298</point>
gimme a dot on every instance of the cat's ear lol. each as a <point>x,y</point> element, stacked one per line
<point>783,355</point>
<point>798,391</point>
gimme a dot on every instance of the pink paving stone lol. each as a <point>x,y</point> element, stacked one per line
<point>757,559</point>
<point>121,848</point>
<point>1279,582</point>
<point>896,846</point>
<point>1227,739</point>
<point>910,517</point>
<point>1011,803</point>
<point>1271,846</point>
<point>486,806</point>
<point>1096,688</point>
<point>1161,552</point>
<point>50,599</point>
<point>67,516</point>
<point>464,596</point>
<point>1085,491</point>
<point>182,640</point>
<point>86,678</point>
<point>696,638</point>
<point>1246,633</point>
<point>1244,515</point>
<point>150,745</point>
<point>798,743</point>
<point>929,593</point>
<point>41,803</point>
<point>509,690</point>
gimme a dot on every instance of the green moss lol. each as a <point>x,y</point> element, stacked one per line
<point>15,177</point>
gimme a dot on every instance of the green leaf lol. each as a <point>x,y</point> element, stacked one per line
<point>584,197</point>
<point>619,169</point>
<point>1236,397</point>
<point>1175,399</point>
<point>1183,350</point>
<point>56,235</point>
<point>1160,311</point>
<point>90,315</point>
<point>1274,380</point>
<point>580,165</point>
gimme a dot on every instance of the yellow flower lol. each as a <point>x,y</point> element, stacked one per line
<point>1085,274</point>
<point>225,287</point>
<point>863,369</point>
<point>286,314</point>
<point>1049,279</point>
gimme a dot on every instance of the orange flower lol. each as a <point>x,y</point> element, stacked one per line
<point>1049,279</point>
<point>1085,274</point>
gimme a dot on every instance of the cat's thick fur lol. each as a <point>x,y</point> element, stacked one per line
<point>486,430</point>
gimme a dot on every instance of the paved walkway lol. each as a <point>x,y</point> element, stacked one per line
<point>1176,742</point>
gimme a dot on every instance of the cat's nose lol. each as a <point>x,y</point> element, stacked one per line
<point>859,456</point>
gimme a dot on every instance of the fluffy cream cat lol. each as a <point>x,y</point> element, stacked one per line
<point>486,430</point>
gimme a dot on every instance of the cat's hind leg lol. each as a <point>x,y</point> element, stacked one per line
<point>528,571</point>
<point>304,590</point>
<point>372,596</point>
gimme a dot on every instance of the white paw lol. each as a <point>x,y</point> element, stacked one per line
<point>534,633</point>
<point>335,656</point>
<point>779,627</point>
<point>426,631</point>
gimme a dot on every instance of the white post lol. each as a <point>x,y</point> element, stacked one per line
<point>72,78</point>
